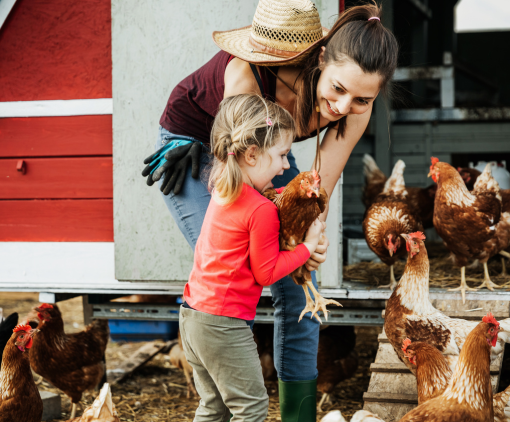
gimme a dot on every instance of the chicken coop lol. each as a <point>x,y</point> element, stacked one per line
<point>81,110</point>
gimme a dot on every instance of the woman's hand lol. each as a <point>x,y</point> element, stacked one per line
<point>320,254</point>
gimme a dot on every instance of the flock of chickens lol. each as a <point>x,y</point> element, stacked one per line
<point>73,363</point>
<point>467,208</point>
<point>449,356</point>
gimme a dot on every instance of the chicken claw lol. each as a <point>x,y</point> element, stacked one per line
<point>487,282</point>
<point>463,285</point>
<point>320,302</point>
<point>310,305</point>
<point>393,281</point>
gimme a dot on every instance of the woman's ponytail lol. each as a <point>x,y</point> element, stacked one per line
<point>357,35</point>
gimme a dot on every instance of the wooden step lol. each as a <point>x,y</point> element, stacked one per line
<point>400,368</point>
<point>393,391</point>
<point>390,398</point>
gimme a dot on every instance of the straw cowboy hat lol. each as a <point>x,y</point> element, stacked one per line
<point>283,32</point>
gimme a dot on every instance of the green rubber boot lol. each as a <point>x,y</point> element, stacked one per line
<point>298,402</point>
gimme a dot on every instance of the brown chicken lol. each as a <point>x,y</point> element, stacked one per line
<point>469,175</point>
<point>19,396</point>
<point>420,200</point>
<point>433,375</point>
<point>388,217</point>
<point>263,335</point>
<point>102,410</point>
<point>299,204</point>
<point>471,224</point>
<point>468,396</point>
<point>409,313</point>
<point>74,363</point>
<point>178,359</point>
<point>336,358</point>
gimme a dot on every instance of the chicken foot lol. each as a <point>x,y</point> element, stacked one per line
<point>463,285</point>
<point>326,398</point>
<point>504,254</point>
<point>74,406</point>
<point>310,304</point>
<point>487,282</point>
<point>320,302</point>
<point>393,281</point>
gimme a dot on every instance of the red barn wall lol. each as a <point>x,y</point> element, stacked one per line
<point>56,50</point>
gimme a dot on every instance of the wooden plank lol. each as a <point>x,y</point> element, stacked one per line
<point>61,52</point>
<point>392,412</point>
<point>88,220</point>
<point>390,398</point>
<point>56,136</point>
<point>136,360</point>
<point>396,368</point>
<point>86,177</point>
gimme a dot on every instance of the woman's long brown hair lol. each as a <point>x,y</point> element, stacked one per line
<point>368,43</point>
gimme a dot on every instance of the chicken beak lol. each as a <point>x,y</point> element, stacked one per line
<point>430,174</point>
<point>390,251</point>
<point>316,191</point>
<point>33,332</point>
<point>405,236</point>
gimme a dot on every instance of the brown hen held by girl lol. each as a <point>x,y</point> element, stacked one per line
<point>299,204</point>
<point>388,217</point>
<point>74,363</point>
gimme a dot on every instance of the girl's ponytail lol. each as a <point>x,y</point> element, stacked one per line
<point>242,121</point>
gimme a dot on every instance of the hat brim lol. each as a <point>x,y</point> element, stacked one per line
<point>237,43</point>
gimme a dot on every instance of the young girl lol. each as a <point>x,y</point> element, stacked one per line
<point>236,254</point>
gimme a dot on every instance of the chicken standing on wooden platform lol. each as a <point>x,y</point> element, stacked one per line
<point>19,397</point>
<point>388,216</point>
<point>74,363</point>
<point>102,410</point>
<point>420,200</point>
<point>433,375</point>
<point>468,396</point>
<point>409,313</point>
<point>471,224</point>
<point>299,204</point>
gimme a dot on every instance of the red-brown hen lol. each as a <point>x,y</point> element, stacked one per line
<point>74,363</point>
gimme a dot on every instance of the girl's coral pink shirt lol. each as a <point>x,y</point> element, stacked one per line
<point>237,253</point>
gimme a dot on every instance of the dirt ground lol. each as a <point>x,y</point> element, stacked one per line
<point>157,391</point>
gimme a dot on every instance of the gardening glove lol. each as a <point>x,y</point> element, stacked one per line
<point>172,161</point>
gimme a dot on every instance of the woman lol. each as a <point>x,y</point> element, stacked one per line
<point>327,79</point>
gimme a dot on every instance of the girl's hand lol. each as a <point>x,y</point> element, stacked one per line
<point>313,236</point>
<point>320,254</point>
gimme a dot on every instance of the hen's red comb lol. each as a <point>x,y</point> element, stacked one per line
<point>316,178</point>
<point>417,235</point>
<point>22,327</point>
<point>434,160</point>
<point>489,319</point>
<point>46,306</point>
<point>405,344</point>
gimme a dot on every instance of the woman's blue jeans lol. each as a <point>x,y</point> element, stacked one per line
<point>295,343</point>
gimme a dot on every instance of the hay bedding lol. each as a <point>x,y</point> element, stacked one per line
<point>442,271</point>
<point>157,391</point>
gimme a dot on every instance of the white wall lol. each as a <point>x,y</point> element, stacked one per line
<point>155,44</point>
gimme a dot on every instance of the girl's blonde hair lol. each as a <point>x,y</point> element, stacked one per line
<point>242,121</point>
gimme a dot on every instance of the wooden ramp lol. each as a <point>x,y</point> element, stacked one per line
<point>392,391</point>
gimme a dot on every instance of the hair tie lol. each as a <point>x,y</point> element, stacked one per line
<point>231,153</point>
<point>374,17</point>
<point>269,122</point>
